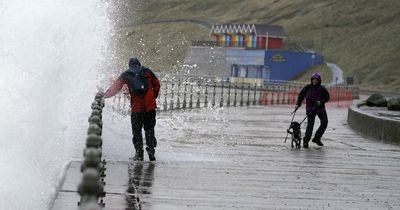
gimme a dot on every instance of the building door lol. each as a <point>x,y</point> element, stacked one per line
<point>242,71</point>
<point>265,71</point>
<point>234,70</point>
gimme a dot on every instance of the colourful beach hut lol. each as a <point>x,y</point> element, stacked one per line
<point>249,36</point>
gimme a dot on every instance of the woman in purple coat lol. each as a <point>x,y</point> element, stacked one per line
<point>316,96</point>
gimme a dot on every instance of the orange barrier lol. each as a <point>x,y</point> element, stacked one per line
<point>339,96</point>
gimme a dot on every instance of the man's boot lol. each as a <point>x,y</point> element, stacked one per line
<point>305,143</point>
<point>138,155</point>
<point>318,141</point>
<point>151,152</point>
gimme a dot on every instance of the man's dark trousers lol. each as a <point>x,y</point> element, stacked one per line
<point>146,120</point>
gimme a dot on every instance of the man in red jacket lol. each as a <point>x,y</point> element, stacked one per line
<point>144,87</point>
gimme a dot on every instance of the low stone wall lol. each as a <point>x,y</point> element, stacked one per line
<point>368,123</point>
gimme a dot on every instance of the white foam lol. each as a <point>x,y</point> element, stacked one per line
<point>50,50</point>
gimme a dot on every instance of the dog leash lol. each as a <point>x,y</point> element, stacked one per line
<point>312,110</point>
<point>294,114</point>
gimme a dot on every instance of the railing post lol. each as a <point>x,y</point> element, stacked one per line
<point>206,96</point>
<point>178,100</point>
<point>261,92</point>
<point>248,95</point>
<point>272,97</point>
<point>124,102</point>
<point>198,94</point>
<point>255,94</point>
<point>235,101</point>
<point>214,92</point>
<point>287,94</point>
<point>165,106</point>
<point>221,103</point>
<point>119,101</point>
<point>191,96</point>
<point>241,95</point>
<point>184,96</point>
<point>228,103</point>
<point>171,105</point>
<point>278,91</point>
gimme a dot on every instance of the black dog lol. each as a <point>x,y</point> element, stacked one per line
<point>295,133</point>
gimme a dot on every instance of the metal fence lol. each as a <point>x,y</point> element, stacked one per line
<point>181,93</point>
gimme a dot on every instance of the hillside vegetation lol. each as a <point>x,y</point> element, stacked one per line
<point>361,36</point>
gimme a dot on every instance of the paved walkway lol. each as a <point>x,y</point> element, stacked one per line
<point>337,74</point>
<point>235,159</point>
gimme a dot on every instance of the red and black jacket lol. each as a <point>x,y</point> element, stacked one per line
<point>139,103</point>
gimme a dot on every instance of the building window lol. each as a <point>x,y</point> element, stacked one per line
<point>243,71</point>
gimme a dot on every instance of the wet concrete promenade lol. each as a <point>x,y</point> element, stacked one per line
<point>235,158</point>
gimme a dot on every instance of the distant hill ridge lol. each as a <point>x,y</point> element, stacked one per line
<point>361,36</point>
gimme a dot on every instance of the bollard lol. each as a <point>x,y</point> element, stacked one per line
<point>96,104</point>
<point>94,129</point>
<point>99,95</point>
<point>91,185</point>
<point>94,141</point>
<point>95,112</point>
<point>101,102</point>
<point>92,159</point>
<point>96,120</point>
<point>98,108</point>
<point>221,102</point>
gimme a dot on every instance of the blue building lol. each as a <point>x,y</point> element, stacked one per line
<point>269,65</point>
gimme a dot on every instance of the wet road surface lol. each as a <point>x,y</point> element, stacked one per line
<point>235,158</point>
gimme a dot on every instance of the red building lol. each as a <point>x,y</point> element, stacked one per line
<point>254,36</point>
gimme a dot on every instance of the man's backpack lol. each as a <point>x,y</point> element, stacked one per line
<point>139,83</point>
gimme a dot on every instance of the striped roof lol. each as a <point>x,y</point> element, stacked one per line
<point>257,29</point>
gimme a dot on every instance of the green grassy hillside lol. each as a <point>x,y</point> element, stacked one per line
<point>361,36</point>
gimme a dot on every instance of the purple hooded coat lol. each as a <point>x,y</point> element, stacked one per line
<point>312,94</point>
